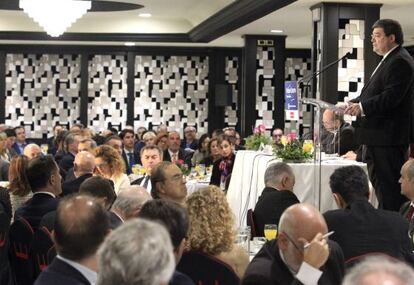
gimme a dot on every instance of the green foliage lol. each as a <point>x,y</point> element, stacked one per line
<point>293,150</point>
<point>254,141</point>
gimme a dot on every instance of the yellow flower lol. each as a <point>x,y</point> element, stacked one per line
<point>284,140</point>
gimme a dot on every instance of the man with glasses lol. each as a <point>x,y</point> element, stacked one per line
<point>168,182</point>
<point>300,254</point>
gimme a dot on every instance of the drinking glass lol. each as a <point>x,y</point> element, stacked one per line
<point>270,231</point>
<point>44,148</point>
<point>243,238</point>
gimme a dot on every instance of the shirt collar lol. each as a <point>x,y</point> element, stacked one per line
<point>44,192</point>
<point>390,51</point>
<point>88,273</point>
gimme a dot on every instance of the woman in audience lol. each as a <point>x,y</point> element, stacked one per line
<point>19,187</point>
<point>110,165</point>
<point>212,229</point>
<point>223,167</point>
<point>149,138</point>
<point>3,147</point>
<point>161,141</point>
<point>202,150</point>
<point>214,151</point>
<point>59,143</point>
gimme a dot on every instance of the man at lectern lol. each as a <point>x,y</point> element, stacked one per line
<point>384,110</point>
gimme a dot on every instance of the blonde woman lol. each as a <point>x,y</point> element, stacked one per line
<point>212,228</point>
<point>110,165</point>
<point>4,155</point>
<point>19,187</point>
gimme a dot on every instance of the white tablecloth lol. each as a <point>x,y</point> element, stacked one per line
<point>247,182</point>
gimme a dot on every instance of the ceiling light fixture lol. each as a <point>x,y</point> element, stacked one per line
<point>145,15</point>
<point>129,44</point>
<point>55,17</point>
<point>276,31</point>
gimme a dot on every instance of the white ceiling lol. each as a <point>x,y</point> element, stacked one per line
<point>180,16</point>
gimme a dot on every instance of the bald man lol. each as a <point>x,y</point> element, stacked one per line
<point>285,260</point>
<point>83,167</point>
<point>127,204</point>
<point>407,189</point>
<point>337,136</point>
<point>81,226</point>
<point>32,150</point>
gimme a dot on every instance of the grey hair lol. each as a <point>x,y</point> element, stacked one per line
<point>377,264</point>
<point>139,252</point>
<point>91,141</point>
<point>128,202</point>
<point>410,169</point>
<point>275,172</point>
<point>148,135</point>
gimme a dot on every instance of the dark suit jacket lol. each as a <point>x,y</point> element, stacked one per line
<point>66,162</point>
<point>387,102</point>
<point>270,206</point>
<point>16,148</point>
<point>114,220</point>
<point>404,211</point>
<point>216,173</point>
<point>362,229</point>
<point>36,207</point>
<point>267,268</point>
<point>182,155</point>
<point>73,186</point>
<point>193,145</point>
<point>61,273</point>
<point>179,278</point>
<point>136,159</point>
<point>340,143</point>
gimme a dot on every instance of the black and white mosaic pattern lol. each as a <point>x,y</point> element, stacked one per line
<point>295,70</point>
<point>42,90</point>
<point>265,99</point>
<point>107,91</point>
<point>232,65</point>
<point>171,90</point>
<point>351,71</point>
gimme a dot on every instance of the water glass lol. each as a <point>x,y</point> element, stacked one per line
<point>243,238</point>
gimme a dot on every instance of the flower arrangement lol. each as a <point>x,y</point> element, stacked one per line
<point>293,150</point>
<point>259,138</point>
<point>183,167</point>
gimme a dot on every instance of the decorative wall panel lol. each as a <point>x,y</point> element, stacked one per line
<point>42,90</point>
<point>296,69</point>
<point>107,91</point>
<point>171,90</point>
<point>351,70</point>
<point>265,98</point>
<point>232,65</point>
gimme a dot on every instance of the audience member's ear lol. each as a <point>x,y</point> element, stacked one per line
<point>285,181</point>
<point>339,201</point>
<point>282,241</point>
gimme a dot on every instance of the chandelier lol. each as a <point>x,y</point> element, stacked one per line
<point>55,16</point>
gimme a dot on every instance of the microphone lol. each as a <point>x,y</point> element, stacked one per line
<point>323,69</point>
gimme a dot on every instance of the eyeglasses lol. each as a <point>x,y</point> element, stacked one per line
<point>294,244</point>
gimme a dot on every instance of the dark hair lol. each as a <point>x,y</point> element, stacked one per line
<point>124,132</point>
<point>10,133</point>
<point>391,27</point>
<point>157,176</point>
<point>351,182</point>
<point>39,171</point>
<point>97,186</point>
<point>172,215</point>
<point>151,147</point>
<point>79,235</point>
<point>113,137</point>
<point>203,137</point>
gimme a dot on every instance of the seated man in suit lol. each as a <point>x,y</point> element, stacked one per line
<point>20,139</point>
<point>137,250</point>
<point>276,197</point>
<point>407,189</point>
<point>189,141</point>
<point>44,179</point>
<point>83,167</point>
<point>71,148</point>
<point>359,227</point>
<point>175,219</point>
<point>379,270</point>
<point>300,254</point>
<point>337,136</point>
<point>174,152</point>
<point>168,182</point>
<point>128,204</point>
<point>81,226</point>
<point>129,154</point>
<point>115,142</point>
<point>151,155</point>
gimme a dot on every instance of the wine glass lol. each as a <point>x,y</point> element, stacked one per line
<point>270,231</point>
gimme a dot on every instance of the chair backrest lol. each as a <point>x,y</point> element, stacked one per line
<point>205,269</point>
<point>42,243</point>
<point>21,238</point>
<point>251,222</point>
